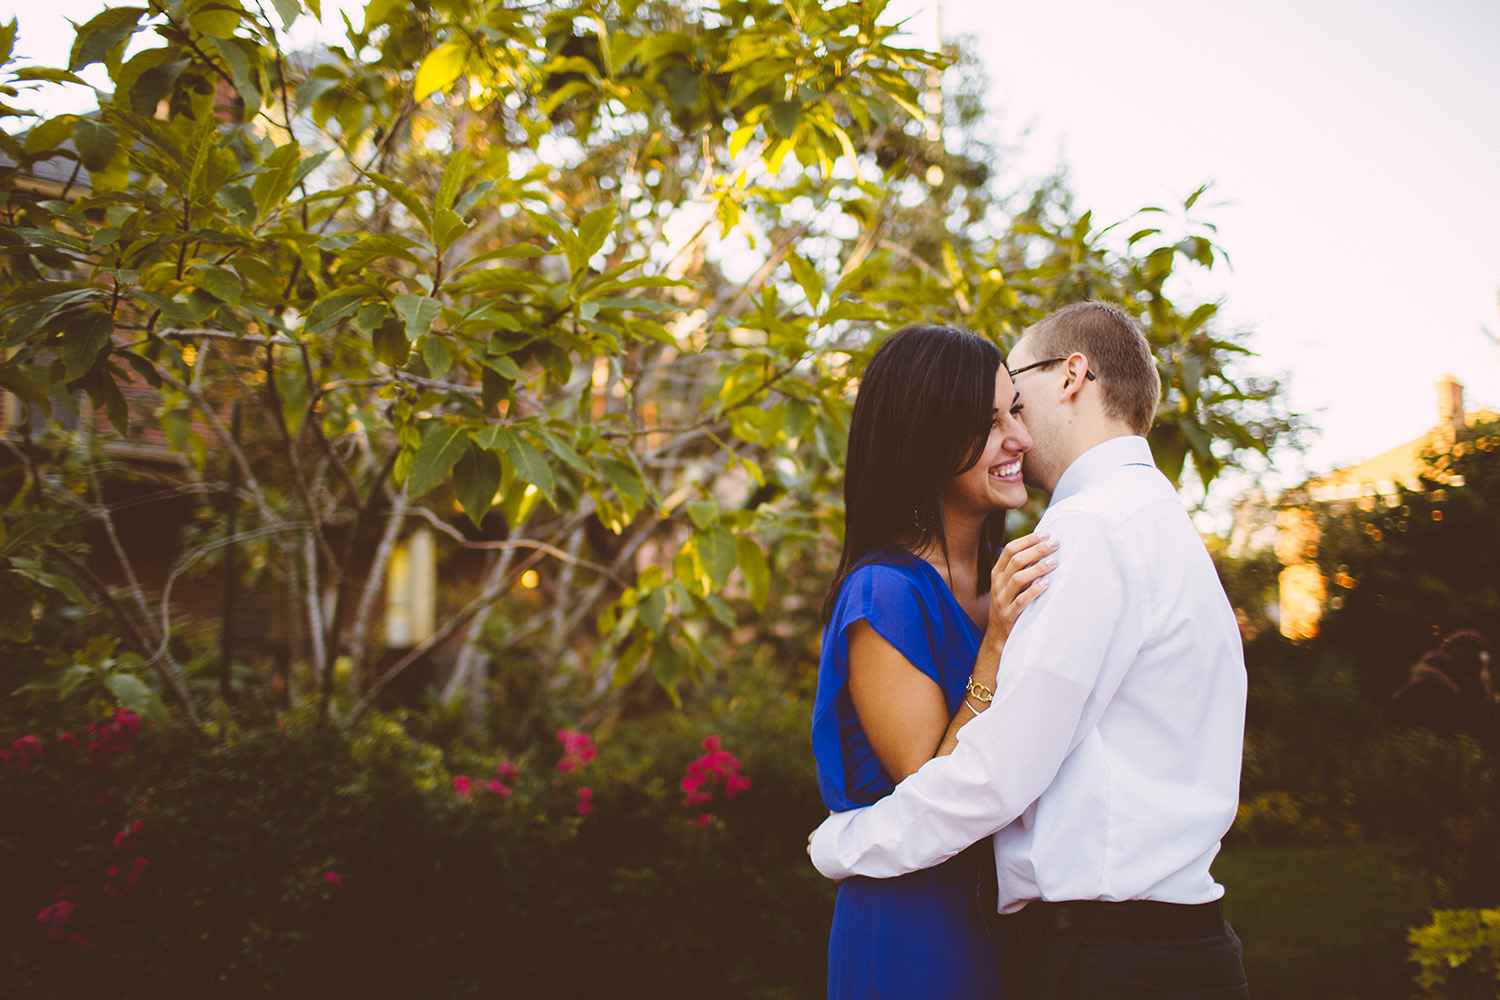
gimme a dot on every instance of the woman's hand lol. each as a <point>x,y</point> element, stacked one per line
<point>1016,581</point>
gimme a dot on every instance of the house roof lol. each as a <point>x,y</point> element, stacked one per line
<point>1403,465</point>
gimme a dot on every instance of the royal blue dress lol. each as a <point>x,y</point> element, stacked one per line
<point>920,935</point>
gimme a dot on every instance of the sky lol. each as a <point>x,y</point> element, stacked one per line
<point>1354,156</point>
<point>1353,153</point>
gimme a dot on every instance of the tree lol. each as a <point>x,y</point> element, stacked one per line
<point>598,277</point>
<point>1407,569</point>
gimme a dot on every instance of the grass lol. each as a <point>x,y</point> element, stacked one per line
<point>1322,923</point>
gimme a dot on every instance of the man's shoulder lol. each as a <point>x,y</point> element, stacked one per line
<point>1123,493</point>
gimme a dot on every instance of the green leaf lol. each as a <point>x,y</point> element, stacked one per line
<point>459,168</point>
<point>277,177</point>
<point>808,278</point>
<point>95,142</point>
<point>406,196</point>
<point>785,117</point>
<point>717,553</point>
<point>595,229</point>
<point>216,19</point>
<point>102,33</point>
<point>476,480</point>
<point>418,311</point>
<point>439,69</point>
<point>756,570</point>
<point>437,355</point>
<point>626,480</point>
<point>84,338</point>
<point>529,464</point>
<point>32,528</point>
<point>220,282</point>
<point>391,345</point>
<point>136,696</point>
<point>703,512</point>
<point>442,446</point>
<point>287,10</point>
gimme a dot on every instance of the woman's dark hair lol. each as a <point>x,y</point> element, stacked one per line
<point>924,409</point>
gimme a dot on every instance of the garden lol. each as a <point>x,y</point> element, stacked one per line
<point>419,467</point>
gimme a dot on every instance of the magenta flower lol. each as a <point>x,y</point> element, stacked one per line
<point>24,752</point>
<point>78,942</point>
<point>69,738</point>
<point>332,878</point>
<point>505,771</point>
<point>500,789</point>
<point>717,770</point>
<point>463,786</point>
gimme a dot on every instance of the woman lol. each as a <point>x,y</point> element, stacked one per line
<point>916,618</point>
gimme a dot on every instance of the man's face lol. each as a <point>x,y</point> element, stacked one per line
<point>1040,417</point>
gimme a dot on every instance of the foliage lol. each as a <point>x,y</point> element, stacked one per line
<point>309,860</point>
<point>1418,565</point>
<point>1459,955</point>
<point>579,288</point>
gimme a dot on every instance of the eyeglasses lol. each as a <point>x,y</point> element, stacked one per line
<point>1037,364</point>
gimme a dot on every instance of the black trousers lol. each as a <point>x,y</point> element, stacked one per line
<point>1040,964</point>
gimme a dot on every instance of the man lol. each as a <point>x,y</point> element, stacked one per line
<point>1106,764</point>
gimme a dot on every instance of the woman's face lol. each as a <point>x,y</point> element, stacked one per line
<point>994,482</point>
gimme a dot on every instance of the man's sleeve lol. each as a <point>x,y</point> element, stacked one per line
<point>1047,699</point>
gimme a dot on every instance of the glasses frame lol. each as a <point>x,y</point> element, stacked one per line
<point>1037,364</point>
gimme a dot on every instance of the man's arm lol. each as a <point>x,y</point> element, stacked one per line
<point>1008,756</point>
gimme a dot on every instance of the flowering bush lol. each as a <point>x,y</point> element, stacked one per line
<point>296,860</point>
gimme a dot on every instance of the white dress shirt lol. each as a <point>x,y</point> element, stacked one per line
<point>1108,764</point>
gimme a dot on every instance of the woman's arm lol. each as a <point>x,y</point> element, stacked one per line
<point>903,711</point>
<point>1014,583</point>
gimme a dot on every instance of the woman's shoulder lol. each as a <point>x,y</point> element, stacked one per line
<point>884,580</point>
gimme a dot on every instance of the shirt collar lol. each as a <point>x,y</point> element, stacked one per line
<point>1130,449</point>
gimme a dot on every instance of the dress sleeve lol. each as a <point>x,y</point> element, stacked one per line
<point>900,607</point>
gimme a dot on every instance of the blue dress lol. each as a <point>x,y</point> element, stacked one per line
<point>920,935</point>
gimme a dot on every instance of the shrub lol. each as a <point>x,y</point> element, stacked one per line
<point>297,859</point>
<point>1459,955</point>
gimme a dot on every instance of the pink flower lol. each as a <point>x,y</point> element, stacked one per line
<point>500,789</point>
<point>78,942</point>
<point>58,914</point>
<point>578,749</point>
<point>111,871</point>
<point>23,753</point>
<point>139,826</point>
<point>332,878</point>
<point>505,771</point>
<point>121,838</point>
<point>462,785</point>
<point>711,743</point>
<point>140,864</point>
<point>67,738</point>
<point>703,819</point>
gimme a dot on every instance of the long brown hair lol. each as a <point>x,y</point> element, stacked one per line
<point>925,404</point>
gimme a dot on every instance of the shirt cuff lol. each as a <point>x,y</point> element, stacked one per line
<point>824,848</point>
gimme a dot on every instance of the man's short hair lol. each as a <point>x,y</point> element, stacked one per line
<point>1118,355</point>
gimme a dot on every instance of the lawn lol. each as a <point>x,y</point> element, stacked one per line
<point>1322,923</point>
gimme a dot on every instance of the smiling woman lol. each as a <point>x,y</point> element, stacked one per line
<point>915,628</point>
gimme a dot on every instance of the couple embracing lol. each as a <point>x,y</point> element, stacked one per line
<point>1083,755</point>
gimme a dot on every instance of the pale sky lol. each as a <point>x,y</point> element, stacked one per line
<point>1355,148</point>
<point>1354,152</point>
